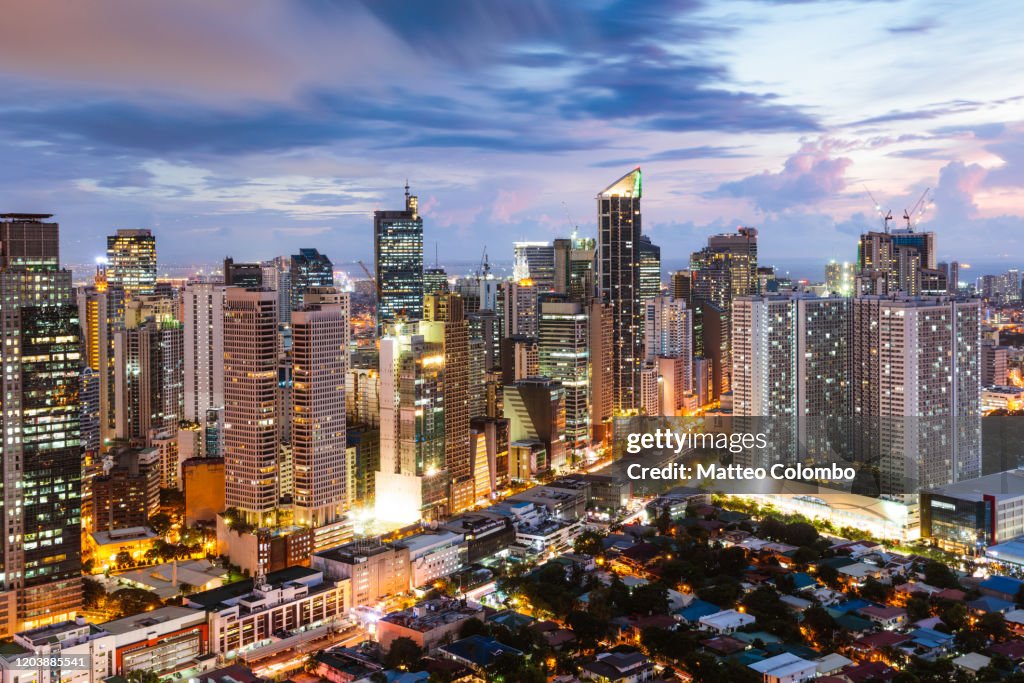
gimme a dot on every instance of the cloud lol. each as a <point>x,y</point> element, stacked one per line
<point>954,195</point>
<point>677,154</point>
<point>917,27</point>
<point>808,177</point>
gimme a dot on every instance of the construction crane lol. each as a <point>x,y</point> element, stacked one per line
<point>371,278</point>
<point>572,223</point>
<point>918,210</point>
<point>886,217</point>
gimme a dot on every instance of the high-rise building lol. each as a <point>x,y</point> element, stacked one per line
<point>535,261</point>
<point>521,315</point>
<point>917,389</point>
<point>398,258</point>
<point>277,275</point>
<point>791,366</point>
<point>574,267</point>
<point>244,275</point>
<point>435,281</point>
<point>149,378</point>
<point>895,261</point>
<point>251,430</point>
<point>445,324</point>
<point>682,286</point>
<point>131,255</point>
<point>650,269</point>
<point>618,212</point>
<point>668,336</point>
<point>127,492</point>
<point>204,348</point>
<point>726,268</point>
<point>101,312</point>
<point>318,441</point>
<point>309,269</point>
<point>535,409</point>
<point>994,364</point>
<point>840,277</point>
<point>602,371</point>
<point>565,357</point>
<point>412,483</point>
<point>40,449</point>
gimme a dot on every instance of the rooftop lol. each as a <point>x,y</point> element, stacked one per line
<point>148,619</point>
<point>1009,484</point>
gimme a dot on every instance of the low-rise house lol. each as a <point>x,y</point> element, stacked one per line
<point>785,668</point>
<point>875,646</point>
<point>987,605</point>
<point>1011,649</point>
<point>692,613</point>
<point>618,667</point>
<point>928,643</point>
<point>886,617</point>
<point>972,662</point>
<point>869,672</point>
<point>724,646</point>
<point>832,664</point>
<point>726,621</point>
<point>477,652</point>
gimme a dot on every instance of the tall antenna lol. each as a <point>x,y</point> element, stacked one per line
<point>437,263</point>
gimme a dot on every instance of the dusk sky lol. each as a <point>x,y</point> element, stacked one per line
<point>255,128</point>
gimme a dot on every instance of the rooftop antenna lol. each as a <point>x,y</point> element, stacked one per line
<point>437,263</point>
<point>886,217</point>
<point>407,190</point>
<point>913,216</point>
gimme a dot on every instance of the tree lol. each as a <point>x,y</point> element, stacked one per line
<point>94,593</point>
<point>874,590</point>
<point>918,607</point>
<point>160,523</point>
<point>124,559</point>
<point>472,627</point>
<point>939,575</point>
<point>142,676</point>
<point>993,625</point>
<point>587,628</point>
<point>589,543</point>
<point>404,653</point>
<point>130,601</point>
<point>649,599</point>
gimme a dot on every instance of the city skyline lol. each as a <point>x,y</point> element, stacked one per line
<point>252,144</point>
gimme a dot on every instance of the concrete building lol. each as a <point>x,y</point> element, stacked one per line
<point>375,571</point>
<point>970,514</point>
<point>434,555</point>
<point>131,258</point>
<point>429,624</point>
<point>251,431</point>
<point>127,492</point>
<point>319,363</point>
<point>535,409</point>
<point>203,483</point>
<point>268,614</point>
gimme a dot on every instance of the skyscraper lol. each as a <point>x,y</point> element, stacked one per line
<point>149,378</point>
<point>412,483</point>
<point>40,449</point>
<point>204,348</point>
<point>435,281</point>
<point>398,258</point>
<point>445,324</point>
<point>574,267</point>
<point>319,364</point>
<point>791,366</point>
<point>309,269</point>
<point>251,429</point>
<point>917,389</point>
<point>668,343</point>
<point>565,357</point>
<point>535,261</point>
<point>650,269</point>
<point>521,314</point>
<point>618,212</point>
<point>131,255</point>
<point>726,268</point>
<point>896,261</point>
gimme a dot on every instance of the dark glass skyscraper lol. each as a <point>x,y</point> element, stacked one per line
<point>40,447</point>
<point>309,269</point>
<point>398,259</point>
<point>618,219</point>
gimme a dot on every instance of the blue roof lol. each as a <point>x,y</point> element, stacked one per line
<point>929,637</point>
<point>1002,584</point>
<point>851,605</point>
<point>803,580</point>
<point>480,650</point>
<point>987,604</point>
<point>697,609</point>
